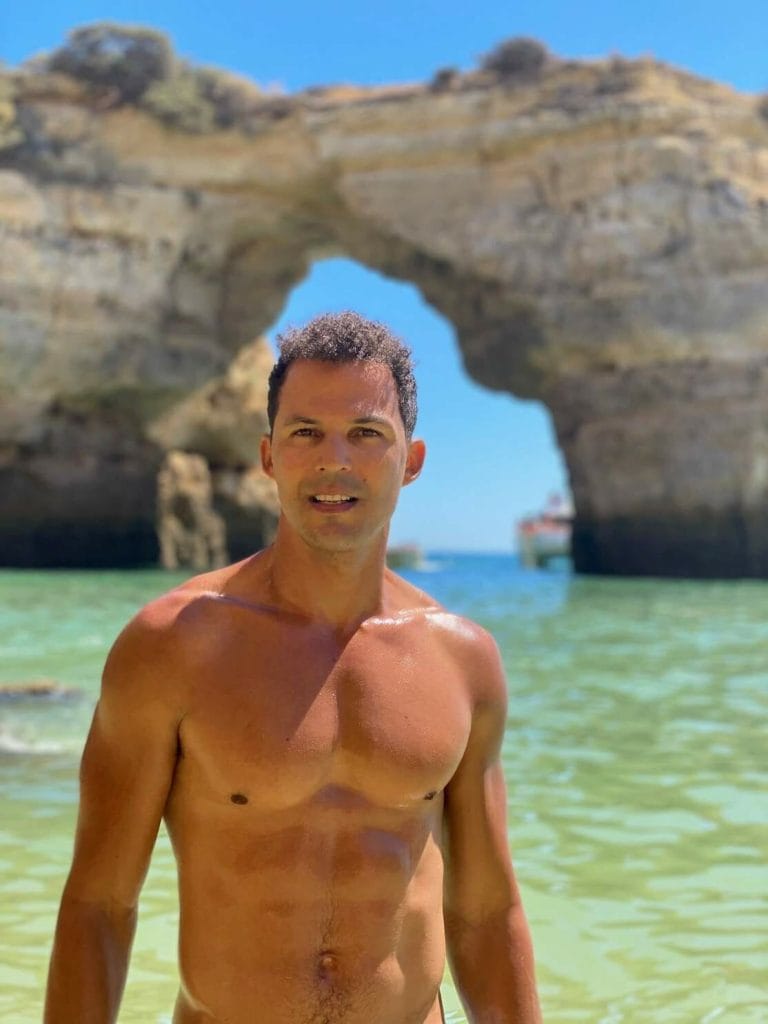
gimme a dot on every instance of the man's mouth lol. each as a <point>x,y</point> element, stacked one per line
<point>333,499</point>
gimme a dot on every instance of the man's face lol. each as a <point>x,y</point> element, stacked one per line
<point>338,452</point>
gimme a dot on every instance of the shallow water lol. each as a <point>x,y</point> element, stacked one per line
<point>635,759</point>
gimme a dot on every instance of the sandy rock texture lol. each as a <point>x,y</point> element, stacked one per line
<point>597,233</point>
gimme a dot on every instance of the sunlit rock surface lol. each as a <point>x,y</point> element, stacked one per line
<point>189,530</point>
<point>597,234</point>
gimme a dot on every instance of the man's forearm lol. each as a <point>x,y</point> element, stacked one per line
<point>492,965</point>
<point>89,962</point>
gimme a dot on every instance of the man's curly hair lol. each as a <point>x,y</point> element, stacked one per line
<point>346,338</point>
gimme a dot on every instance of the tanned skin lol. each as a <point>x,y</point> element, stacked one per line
<point>323,742</point>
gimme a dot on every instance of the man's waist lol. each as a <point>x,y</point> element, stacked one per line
<point>264,980</point>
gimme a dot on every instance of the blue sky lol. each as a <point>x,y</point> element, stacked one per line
<point>491,457</point>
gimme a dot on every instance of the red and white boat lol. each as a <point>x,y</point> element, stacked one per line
<point>546,535</point>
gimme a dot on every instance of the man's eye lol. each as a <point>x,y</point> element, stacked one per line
<point>369,432</point>
<point>304,432</point>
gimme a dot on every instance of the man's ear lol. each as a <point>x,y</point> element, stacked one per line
<point>417,451</point>
<point>265,450</point>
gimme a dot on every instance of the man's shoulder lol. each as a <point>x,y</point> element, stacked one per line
<point>475,651</point>
<point>466,639</point>
<point>473,643</point>
<point>166,616</point>
<point>168,624</point>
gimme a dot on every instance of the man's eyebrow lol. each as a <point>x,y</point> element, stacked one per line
<point>373,419</point>
<point>358,420</point>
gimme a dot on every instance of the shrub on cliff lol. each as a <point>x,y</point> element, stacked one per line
<point>137,65</point>
<point>179,102</point>
<point>233,98</point>
<point>617,76</point>
<point>201,99</point>
<point>519,57</point>
<point>120,58</point>
<point>445,79</point>
<point>762,106</point>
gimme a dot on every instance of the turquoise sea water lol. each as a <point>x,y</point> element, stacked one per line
<point>636,765</point>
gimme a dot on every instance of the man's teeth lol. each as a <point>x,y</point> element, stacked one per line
<point>332,497</point>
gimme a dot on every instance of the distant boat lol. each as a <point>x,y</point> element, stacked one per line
<point>546,535</point>
<point>405,556</point>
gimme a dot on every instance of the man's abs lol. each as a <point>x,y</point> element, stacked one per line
<point>321,1001</point>
<point>321,919</point>
<point>319,962</point>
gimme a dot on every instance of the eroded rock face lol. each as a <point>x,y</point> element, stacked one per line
<point>700,510</point>
<point>222,423</point>
<point>598,236</point>
<point>190,531</point>
<point>78,489</point>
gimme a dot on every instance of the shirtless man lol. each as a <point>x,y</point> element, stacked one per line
<point>323,741</point>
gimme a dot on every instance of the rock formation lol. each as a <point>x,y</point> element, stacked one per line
<point>37,690</point>
<point>216,504</point>
<point>189,530</point>
<point>597,233</point>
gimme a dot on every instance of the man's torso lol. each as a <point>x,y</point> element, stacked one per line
<point>306,813</point>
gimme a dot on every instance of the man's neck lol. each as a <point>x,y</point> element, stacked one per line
<point>339,589</point>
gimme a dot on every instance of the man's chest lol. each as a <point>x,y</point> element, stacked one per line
<point>283,718</point>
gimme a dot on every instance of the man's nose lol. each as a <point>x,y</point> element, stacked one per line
<point>333,454</point>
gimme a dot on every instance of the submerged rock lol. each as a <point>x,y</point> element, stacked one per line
<point>37,689</point>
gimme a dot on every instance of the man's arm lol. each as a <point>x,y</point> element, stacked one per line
<point>125,777</point>
<point>489,945</point>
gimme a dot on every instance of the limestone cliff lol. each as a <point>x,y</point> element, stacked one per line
<point>217,504</point>
<point>596,232</point>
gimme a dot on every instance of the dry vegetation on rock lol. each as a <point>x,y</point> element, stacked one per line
<point>133,65</point>
<point>519,57</point>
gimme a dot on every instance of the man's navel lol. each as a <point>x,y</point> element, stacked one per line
<point>327,964</point>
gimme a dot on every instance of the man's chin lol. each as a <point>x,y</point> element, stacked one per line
<point>340,542</point>
<point>337,545</point>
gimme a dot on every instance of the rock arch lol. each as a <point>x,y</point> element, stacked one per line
<point>598,240</point>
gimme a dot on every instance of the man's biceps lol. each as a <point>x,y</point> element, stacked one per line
<point>119,778</point>
<point>117,733</point>
<point>489,724</point>
<point>110,861</point>
<point>476,801</point>
<point>118,821</point>
<point>480,768</point>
